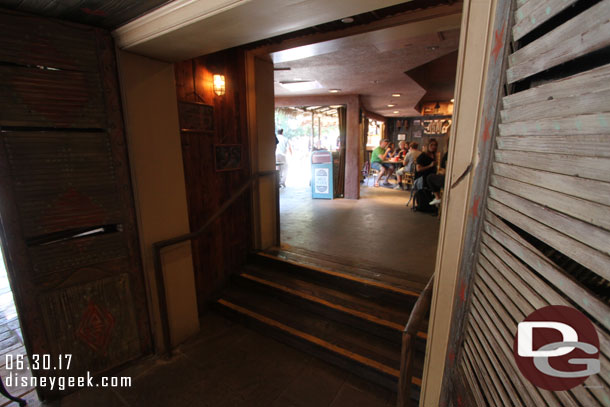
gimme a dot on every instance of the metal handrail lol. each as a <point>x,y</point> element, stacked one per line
<point>158,246</point>
<point>409,335</point>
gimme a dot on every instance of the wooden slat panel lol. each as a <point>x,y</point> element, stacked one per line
<point>44,98</point>
<point>483,374</point>
<point>518,304</point>
<point>533,13</point>
<point>598,123</point>
<point>513,387</point>
<point>581,35</point>
<point>497,233</point>
<point>596,215</point>
<point>566,398</point>
<point>593,102</point>
<point>492,362</point>
<point>487,309</point>
<point>588,146</point>
<point>588,257</point>
<point>585,167</point>
<point>472,384</point>
<point>25,41</point>
<point>493,237</point>
<point>497,285</point>
<point>594,80</point>
<point>508,365</point>
<point>594,191</point>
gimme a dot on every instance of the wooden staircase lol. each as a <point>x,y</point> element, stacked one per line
<point>351,320</point>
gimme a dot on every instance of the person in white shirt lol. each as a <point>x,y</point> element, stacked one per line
<point>282,148</point>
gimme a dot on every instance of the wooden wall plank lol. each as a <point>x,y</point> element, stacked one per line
<point>585,33</point>
<point>588,145</point>
<point>594,80</point>
<point>588,257</point>
<point>591,102</point>
<point>223,250</point>
<point>24,41</point>
<point>594,214</point>
<point>43,98</point>
<point>533,13</point>
<point>594,168</point>
<point>598,123</point>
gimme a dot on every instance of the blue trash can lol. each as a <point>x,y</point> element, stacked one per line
<point>322,175</point>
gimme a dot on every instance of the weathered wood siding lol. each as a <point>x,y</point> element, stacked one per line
<point>224,248</point>
<point>544,215</point>
<point>64,172</point>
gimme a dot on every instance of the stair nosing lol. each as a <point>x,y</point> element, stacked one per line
<point>356,313</point>
<point>326,303</point>
<point>313,339</point>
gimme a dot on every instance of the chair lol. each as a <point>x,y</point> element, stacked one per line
<point>417,184</point>
<point>367,171</point>
<point>374,174</point>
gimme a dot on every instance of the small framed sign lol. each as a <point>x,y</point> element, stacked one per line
<point>227,157</point>
<point>195,117</point>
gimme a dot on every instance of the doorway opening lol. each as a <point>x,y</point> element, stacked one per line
<point>13,355</point>
<point>399,81</point>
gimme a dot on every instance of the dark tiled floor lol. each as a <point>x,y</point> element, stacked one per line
<point>228,365</point>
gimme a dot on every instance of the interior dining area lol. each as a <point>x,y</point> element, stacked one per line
<point>404,80</point>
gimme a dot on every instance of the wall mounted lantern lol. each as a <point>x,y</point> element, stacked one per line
<point>219,85</point>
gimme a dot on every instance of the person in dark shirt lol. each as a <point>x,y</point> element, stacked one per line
<point>426,162</point>
<point>436,181</point>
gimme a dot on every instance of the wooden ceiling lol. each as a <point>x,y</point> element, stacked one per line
<point>104,14</point>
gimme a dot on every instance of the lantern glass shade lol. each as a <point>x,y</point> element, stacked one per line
<point>219,85</point>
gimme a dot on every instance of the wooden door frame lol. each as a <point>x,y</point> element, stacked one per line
<point>476,44</point>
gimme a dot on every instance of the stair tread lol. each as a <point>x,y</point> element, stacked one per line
<point>342,336</point>
<point>393,316</point>
<point>408,280</point>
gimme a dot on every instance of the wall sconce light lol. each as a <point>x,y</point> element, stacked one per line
<point>219,85</point>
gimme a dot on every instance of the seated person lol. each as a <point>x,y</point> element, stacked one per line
<point>380,154</point>
<point>403,149</point>
<point>392,148</point>
<point>436,181</point>
<point>407,163</point>
<point>426,162</point>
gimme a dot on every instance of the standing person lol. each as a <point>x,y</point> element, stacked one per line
<point>407,163</point>
<point>379,154</point>
<point>282,148</point>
